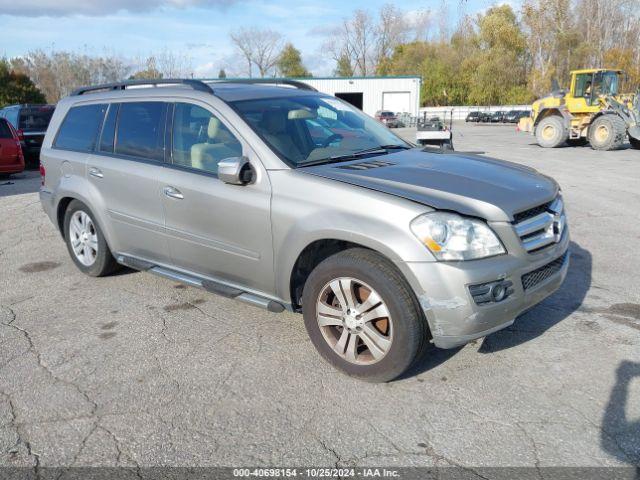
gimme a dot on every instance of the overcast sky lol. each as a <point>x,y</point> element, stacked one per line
<point>197,28</point>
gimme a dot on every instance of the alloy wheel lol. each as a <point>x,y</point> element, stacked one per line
<point>83,238</point>
<point>354,321</point>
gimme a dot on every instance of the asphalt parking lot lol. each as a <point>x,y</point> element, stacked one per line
<point>137,370</point>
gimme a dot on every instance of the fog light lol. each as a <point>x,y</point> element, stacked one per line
<point>498,292</point>
<point>491,292</point>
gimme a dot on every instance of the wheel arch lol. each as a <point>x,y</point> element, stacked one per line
<point>551,111</point>
<point>77,189</point>
<point>320,249</point>
<point>61,210</point>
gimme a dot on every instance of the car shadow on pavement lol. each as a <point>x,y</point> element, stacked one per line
<point>619,435</point>
<point>551,311</point>
<point>430,358</point>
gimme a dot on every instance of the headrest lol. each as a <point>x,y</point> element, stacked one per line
<point>214,128</point>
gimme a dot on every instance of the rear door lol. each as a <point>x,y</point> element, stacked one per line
<point>9,145</point>
<point>124,172</point>
<point>215,229</point>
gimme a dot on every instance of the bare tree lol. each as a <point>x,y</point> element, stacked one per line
<point>174,65</point>
<point>391,31</point>
<point>57,73</point>
<point>420,24</point>
<point>366,42</point>
<point>258,47</point>
<point>243,41</point>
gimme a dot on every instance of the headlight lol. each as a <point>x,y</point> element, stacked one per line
<point>452,237</point>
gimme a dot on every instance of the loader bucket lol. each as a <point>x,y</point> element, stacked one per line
<point>634,132</point>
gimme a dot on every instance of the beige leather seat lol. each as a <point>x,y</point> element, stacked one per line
<point>220,144</point>
<point>274,129</point>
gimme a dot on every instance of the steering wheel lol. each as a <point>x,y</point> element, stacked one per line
<point>333,138</point>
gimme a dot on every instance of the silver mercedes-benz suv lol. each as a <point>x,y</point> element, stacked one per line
<point>290,199</point>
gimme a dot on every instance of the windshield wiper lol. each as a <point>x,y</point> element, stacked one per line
<point>382,149</point>
<point>395,147</point>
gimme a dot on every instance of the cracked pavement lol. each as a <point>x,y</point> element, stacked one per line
<point>135,370</point>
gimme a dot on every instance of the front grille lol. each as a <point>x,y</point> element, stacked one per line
<point>532,212</point>
<point>531,279</point>
<point>366,165</point>
<point>541,226</point>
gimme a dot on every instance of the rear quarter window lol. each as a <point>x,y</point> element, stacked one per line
<point>79,129</point>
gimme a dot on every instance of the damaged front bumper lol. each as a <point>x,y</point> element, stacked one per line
<point>455,318</point>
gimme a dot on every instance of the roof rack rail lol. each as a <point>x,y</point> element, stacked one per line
<point>269,81</point>
<point>195,84</point>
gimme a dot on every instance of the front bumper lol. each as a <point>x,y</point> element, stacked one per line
<point>442,289</point>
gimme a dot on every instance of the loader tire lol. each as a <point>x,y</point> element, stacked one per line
<point>607,132</point>
<point>550,132</point>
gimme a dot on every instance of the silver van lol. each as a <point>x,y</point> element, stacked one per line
<point>289,199</point>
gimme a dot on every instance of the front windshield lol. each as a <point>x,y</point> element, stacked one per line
<point>313,129</point>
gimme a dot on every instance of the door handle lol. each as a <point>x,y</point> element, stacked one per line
<point>95,172</point>
<point>173,192</point>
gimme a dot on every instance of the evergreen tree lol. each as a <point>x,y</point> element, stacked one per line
<point>17,87</point>
<point>290,63</point>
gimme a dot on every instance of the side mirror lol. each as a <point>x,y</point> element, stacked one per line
<point>236,171</point>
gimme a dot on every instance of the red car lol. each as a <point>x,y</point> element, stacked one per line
<point>11,158</point>
<point>388,118</point>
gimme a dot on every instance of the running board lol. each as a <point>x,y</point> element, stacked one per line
<point>209,285</point>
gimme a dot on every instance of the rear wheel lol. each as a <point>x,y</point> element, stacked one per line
<point>550,132</point>
<point>362,316</point>
<point>85,241</point>
<point>607,132</point>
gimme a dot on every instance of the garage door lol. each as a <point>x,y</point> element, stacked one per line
<point>397,102</point>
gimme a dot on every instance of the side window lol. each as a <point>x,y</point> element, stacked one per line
<point>11,114</point>
<point>109,129</point>
<point>5,131</point>
<point>79,128</point>
<point>200,140</point>
<point>140,131</point>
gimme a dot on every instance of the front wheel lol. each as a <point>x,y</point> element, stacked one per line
<point>362,316</point>
<point>607,132</point>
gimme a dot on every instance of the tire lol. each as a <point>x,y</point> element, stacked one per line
<point>577,142</point>
<point>100,261</point>
<point>403,332</point>
<point>550,132</point>
<point>607,132</point>
<point>634,143</point>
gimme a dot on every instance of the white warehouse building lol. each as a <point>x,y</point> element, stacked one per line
<point>370,94</point>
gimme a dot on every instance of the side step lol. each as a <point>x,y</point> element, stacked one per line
<point>134,263</point>
<point>209,285</point>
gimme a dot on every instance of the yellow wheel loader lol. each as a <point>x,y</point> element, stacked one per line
<point>592,111</point>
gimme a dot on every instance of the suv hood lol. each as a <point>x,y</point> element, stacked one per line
<point>468,184</point>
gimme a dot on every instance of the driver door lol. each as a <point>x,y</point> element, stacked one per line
<point>215,229</point>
